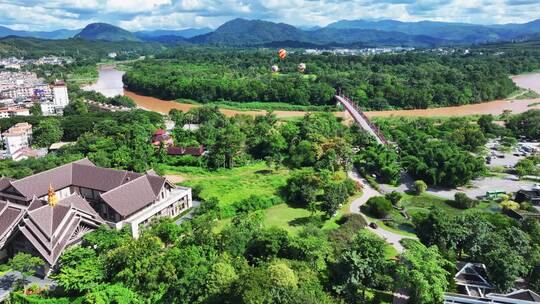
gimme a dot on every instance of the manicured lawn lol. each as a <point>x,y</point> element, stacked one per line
<point>231,185</point>
<point>293,219</point>
<point>414,204</point>
<point>423,203</point>
<point>286,217</point>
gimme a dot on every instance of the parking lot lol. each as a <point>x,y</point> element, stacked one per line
<point>511,158</point>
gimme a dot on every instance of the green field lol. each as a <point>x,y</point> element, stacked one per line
<point>423,203</point>
<point>231,185</point>
<point>259,105</point>
<point>83,75</point>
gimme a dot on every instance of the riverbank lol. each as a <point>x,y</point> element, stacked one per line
<point>110,83</point>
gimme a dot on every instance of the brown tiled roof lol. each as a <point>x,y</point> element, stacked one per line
<point>79,203</point>
<point>42,224</point>
<point>48,218</point>
<point>81,173</point>
<point>526,295</point>
<point>8,217</point>
<point>132,196</point>
<point>5,182</point>
<point>38,184</point>
<point>194,151</point>
<point>124,191</point>
<point>99,178</point>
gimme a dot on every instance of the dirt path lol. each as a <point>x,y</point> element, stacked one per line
<point>175,178</point>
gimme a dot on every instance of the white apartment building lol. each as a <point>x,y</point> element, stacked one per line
<point>60,94</point>
<point>17,137</point>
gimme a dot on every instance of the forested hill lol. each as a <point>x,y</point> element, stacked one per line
<point>251,32</point>
<point>107,32</point>
<point>243,32</point>
<point>76,48</point>
<point>455,32</point>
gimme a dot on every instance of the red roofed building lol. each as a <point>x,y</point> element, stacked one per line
<point>162,136</point>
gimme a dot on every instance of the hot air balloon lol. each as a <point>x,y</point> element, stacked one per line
<point>275,68</point>
<point>301,67</point>
<point>282,54</point>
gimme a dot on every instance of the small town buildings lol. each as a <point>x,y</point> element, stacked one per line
<point>531,195</point>
<point>24,88</point>
<point>193,151</point>
<point>7,112</point>
<point>473,287</point>
<point>162,137</point>
<point>60,94</point>
<point>45,213</point>
<point>57,145</point>
<point>17,137</point>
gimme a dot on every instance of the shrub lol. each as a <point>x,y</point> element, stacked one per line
<point>462,201</point>
<point>510,205</point>
<point>527,207</point>
<point>419,187</point>
<point>378,206</point>
<point>394,197</point>
<point>254,203</point>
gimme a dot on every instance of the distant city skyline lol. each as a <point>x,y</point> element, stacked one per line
<point>179,14</point>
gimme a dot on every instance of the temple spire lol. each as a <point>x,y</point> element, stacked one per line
<point>51,196</point>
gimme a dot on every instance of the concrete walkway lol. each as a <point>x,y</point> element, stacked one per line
<point>8,280</point>
<point>390,237</point>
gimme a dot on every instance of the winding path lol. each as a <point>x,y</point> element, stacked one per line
<point>390,237</point>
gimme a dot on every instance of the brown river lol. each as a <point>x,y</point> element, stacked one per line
<point>110,82</point>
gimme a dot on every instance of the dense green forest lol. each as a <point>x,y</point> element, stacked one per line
<point>410,80</point>
<point>75,48</point>
<point>245,262</point>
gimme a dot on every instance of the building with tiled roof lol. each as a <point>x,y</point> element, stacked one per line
<point>44,213</point>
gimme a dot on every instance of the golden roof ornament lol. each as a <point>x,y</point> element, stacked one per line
<point>51,196</point>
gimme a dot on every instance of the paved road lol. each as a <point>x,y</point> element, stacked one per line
<point>508,183</point>
<point>8,280</point>
<point>188,216</point>
<point>390,237</point>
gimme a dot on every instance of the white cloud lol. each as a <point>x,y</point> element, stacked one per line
<point>154,14</point>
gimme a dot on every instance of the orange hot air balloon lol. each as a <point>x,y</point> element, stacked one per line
<point>282,54</point>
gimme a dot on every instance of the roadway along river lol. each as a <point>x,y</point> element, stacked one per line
<point>110,84</point>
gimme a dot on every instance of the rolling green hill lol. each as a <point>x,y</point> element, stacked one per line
<point>107,32</point>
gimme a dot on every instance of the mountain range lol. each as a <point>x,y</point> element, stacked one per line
<point>243,32</point>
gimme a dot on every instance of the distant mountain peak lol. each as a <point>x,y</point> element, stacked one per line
<point>107,32</point>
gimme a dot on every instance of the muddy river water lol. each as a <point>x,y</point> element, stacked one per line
<point>110,84</point>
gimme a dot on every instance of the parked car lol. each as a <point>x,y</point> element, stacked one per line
<point>373,225</point>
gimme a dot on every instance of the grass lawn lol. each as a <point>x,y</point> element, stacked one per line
<point>293,219</point>
<point>423,203</point>
<point>286,217</point>
<point>231,185</point>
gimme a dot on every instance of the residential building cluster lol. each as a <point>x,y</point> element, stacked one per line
<point>18,63</point>
<point>17,141</point>
<point>45,213</point>
<point>20,90</point>
<point>363,51</point>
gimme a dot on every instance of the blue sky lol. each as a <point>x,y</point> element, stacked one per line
<point>178,14</point>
